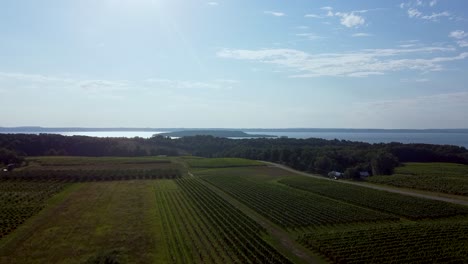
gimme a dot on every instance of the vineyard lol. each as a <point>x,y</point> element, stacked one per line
<point>223,211</point>
<point>80,161</point>
<point>222,163</point>
<point>21,200</point>
<point>406,206</point>
<point>83,175</point>
<point>434,242</point>
<point>436,177</point>
<point>201,227</point>
<point>291,208</point>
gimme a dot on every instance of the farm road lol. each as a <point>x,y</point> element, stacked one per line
<point>426,195</point>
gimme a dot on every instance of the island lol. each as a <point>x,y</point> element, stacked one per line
<point>214,133</point>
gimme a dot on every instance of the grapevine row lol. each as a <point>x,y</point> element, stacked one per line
<point>289,208</point>
<point>407,206</point>
<point>73,175</point>
<point>21,200</point>
<point>397,243</point>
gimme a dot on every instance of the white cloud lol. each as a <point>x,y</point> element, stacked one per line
<point>360,63</point>
<point>462,43</point>
<point>313,16</point>
<point>96,86</point>
<point>38,78</point>
<point>273,13</point>
<point>361,35</point>
<point>413,12</point>
<point>350,19</point>
<point>213,3</point>
<point>407,45</point>
<point>303,27</point>
<point>435,16</point>
<point>329,10</point>
<point>433,3</point>
<point>310,36</point>
<point>220,84</point>
<point>417,80</point>
<point>458,34</point>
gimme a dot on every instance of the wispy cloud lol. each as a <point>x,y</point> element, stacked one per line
<point>219,84</point>
<point>417,80</point>
<point>274,13</point>
<point>460,37</point>
<point>310,36</point>
<point>352,64</point>
<point>96,86</point>
<point>347,19</point>
<point>361,35</point>
<point>462,43</point>
<point>213,3</point>
<point>313,16</point>
<point>458,34</point>
<point>413,10</point>
<point>436,16</point>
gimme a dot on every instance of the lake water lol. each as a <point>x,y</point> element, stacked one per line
<point>457,139</point>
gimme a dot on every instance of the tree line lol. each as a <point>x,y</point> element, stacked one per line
<point>313,154</point>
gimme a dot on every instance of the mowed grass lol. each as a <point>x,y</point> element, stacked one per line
<point>222,163</point>
<point>437,177</point>
<point>97,220</point>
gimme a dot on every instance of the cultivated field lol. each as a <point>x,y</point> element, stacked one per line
<point>195,210</point>
<point>437,177</point>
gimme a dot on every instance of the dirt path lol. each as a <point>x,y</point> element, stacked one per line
<point>284,242</point>
<point>380,188</point>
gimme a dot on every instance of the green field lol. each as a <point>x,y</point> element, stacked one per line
<point>127,210</point>
<point>222,163</point>
<point>436,177</point>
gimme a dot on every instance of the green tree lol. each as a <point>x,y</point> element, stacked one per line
<point>7,156</point>
<point>384,163</point>
<point>323,164</point>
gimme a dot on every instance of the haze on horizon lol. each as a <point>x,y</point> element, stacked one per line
<point>234,63</point>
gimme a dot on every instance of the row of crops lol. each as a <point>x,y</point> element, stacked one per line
<point>21,200</point>
<point>78,175</point>
<point>292,208</point>
<point>437,177</point>
<point>201,227</point>
<point>407,206</point>
<point>430,242</point>
<point>451,185</point>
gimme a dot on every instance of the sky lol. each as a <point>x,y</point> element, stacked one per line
<point>234,63</point>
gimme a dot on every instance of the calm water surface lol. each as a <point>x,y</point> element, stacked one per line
<point>458,139</point>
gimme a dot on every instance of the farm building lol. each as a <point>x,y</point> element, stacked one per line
<point>364,174</point>
<point>335,175</point>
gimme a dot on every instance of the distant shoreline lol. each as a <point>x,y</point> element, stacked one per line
<point>37,129</point>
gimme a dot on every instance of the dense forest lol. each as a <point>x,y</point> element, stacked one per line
<point>316,155</point>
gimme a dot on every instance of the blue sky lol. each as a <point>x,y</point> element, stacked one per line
<point>234,63</point>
